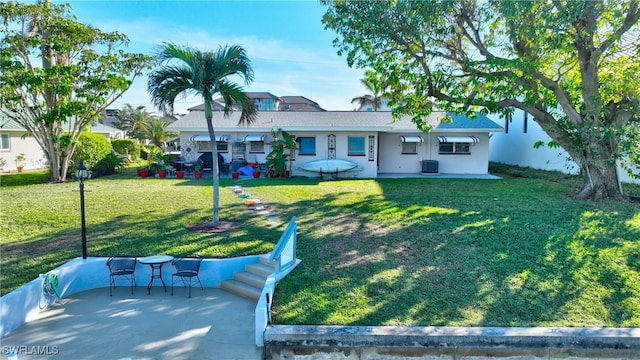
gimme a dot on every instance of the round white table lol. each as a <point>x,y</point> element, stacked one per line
<point>156,262</point>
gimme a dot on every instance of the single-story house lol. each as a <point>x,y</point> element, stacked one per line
<point>515,146</point>
<point>372,140</point>
<point>14,140</point>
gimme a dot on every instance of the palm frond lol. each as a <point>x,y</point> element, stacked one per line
<point>233,95</point>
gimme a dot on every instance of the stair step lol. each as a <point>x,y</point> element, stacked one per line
<point>250,279</point>
<point>260,269</point>
<point>264,259</point>
<point>242,289</point>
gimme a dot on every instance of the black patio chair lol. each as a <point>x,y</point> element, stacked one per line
<point>121,266</point>
<point>188,270</point>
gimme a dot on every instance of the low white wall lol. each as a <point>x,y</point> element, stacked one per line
<point>24,303</point>
<point>263,308</point>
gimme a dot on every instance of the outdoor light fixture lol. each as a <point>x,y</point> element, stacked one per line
<point>82,174</point>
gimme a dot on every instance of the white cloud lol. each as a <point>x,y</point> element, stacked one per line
<point>281,67</point>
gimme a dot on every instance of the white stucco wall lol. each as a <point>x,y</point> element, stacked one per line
<point>35,158</point>
<point>515,147</point>
<point>367,169</point>
<point>391,158</point>
<point>477,162</point>
<point>393,161</point>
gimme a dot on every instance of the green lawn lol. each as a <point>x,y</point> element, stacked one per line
<point>512,252</point>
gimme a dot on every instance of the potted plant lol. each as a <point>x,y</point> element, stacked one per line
<point>281,153</point>
<point>256,173</point>
<point>143,172</point>
<point>179,174</point>
<point>20,159</point>
<point>235,175</point>
<point>162,171</point>
<point>197,170</point>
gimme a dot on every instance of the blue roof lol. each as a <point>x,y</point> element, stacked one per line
<point>462,122</point>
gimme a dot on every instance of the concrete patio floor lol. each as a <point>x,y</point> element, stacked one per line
<point>213,324</point>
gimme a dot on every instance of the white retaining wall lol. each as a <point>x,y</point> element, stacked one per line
<point>24,303</point>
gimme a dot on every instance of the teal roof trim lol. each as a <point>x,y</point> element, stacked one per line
<point>462,122</point>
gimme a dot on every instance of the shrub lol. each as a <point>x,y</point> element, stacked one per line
<point>90,149</point>
<point>127,146</point>
<point>108,165</point>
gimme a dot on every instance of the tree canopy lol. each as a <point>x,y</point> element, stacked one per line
<point>572,65</point>
<point>80,72</point>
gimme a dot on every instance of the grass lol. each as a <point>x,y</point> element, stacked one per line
<point>512,252</point>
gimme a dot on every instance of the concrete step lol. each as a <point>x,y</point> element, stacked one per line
<point>242,289</point>
<point>264,259</point>
<point>250,279</point>
<point>260,269</point>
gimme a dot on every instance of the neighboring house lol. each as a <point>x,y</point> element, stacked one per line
<point>15,140</point>
<point>372,140</point>
<point>515,146</point>
<point>265,101</point>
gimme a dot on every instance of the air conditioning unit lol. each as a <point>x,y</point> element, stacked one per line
<point>429,166</point>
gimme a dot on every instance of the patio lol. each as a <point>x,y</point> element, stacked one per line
<point>213,324</point>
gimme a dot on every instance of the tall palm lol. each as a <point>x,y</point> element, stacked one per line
<point>184,70</point>
<point>374,99</point>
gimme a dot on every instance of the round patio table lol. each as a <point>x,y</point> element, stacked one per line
<point>156,263</point>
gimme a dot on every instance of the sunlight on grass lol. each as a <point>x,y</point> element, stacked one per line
<point>634,222</point>
<point>514,252</point>
<point>474,225</point>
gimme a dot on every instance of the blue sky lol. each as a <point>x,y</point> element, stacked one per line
<point>290,51</point>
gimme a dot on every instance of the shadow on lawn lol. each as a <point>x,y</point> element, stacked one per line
<point>422,257</point>
<point>419,252</point>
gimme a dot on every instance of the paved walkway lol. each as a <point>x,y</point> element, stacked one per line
<point>213,324</point>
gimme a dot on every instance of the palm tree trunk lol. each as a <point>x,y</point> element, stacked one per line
<point>215,221</point>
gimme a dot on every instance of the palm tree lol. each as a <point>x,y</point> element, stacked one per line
<point>374,99</point>
<point>133,120</point>
<point>185,70</point>
<point>155,130</point>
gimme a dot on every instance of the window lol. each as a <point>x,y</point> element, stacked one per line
<point>222,146</point>
<point>4,142</point>
<point>454,148</point>
<point>409,148</point>
<point>355,146</point>
<point>264,104</point>
<point>204,146</point>
<point>256,146</point>
<point>306,146</point>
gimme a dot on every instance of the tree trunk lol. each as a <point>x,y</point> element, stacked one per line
<point>215,220</point>
<point>600,182</point>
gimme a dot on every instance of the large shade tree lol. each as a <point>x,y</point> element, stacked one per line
<point>187,71</point>
<point>561,61</point>
<point>58,75</point>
